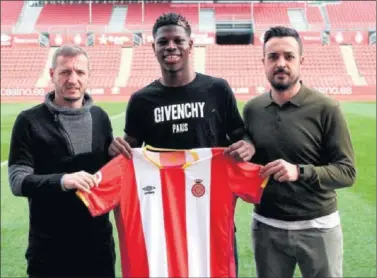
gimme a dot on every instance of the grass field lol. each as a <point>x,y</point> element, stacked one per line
<point>357,205</point>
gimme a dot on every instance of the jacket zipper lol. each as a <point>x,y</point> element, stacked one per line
<point>64,133</point>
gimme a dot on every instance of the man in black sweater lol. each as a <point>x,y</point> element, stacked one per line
<point>302,138</point>
<point>55,148</point>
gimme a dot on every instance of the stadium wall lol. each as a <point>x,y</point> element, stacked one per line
<point>352,93</point>
<point>128,39</point>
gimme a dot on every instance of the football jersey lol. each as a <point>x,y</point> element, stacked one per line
<point>174,210</point>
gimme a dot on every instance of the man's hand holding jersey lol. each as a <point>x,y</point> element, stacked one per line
<point>78,180</point>
<point>120,146</point>
<point>280,170</point>
<point>241,150</point>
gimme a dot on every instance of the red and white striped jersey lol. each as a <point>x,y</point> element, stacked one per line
<point>174,210</point>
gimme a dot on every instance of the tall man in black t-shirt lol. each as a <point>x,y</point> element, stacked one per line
<point>182,109</point>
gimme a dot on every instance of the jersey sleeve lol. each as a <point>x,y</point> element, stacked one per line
<point>106,195</point>
<point>245,180</point>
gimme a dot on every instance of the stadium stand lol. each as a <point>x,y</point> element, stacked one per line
<point>72,15</point>
<point>352,15</point>
<point>22,66</point>
<point>365,57</point>
<point>266,15</point>
<point>105,63</point>
<point>240,65</point>
<point>134,16</point>
<point>325,65</point>
<point>10,11</point>
<point>314,18</point>
<point>154,10</point>
<point>145,68</point>
<point>232,12</point>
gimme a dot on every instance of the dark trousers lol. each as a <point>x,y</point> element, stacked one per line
<point>73,260</point>
<point>317,252</point>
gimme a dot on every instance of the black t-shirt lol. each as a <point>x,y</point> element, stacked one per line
<point>201,114</point>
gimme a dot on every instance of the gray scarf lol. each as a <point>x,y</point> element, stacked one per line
<point>76,123</point>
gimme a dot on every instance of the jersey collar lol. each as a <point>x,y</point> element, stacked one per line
<point>170,158</point>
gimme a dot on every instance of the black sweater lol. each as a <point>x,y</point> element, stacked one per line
<point>38,142</point>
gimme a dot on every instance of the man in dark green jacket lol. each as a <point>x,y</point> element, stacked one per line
<point>302,138</point>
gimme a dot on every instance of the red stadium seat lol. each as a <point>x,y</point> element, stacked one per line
<point>242,65</point>
<point>10,11</point>
<point>53,15</point>
<point>105,64</point>
<point>21,67</point>
<point>154,10</point>
<point>314,18</point>
<point>352,14</point>
<point>268,14</point>
<point>365,57</point>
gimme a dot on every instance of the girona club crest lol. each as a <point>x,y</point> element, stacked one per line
<point>198,188</point>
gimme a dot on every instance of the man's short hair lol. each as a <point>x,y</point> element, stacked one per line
<point>68,50</point>
<point>171,19</point>
<point>281,32</point>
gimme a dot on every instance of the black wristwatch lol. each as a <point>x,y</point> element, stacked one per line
<point>301,171</point>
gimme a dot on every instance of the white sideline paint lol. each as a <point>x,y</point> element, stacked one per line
<point>3,163</point>
<point>117,116</point>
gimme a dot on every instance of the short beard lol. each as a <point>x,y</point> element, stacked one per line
<point>283,87</point>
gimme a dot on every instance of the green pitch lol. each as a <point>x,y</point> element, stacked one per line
<point>357,205</point>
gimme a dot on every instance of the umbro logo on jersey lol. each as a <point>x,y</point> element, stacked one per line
<point>198,188</point>
<point>149,189</point>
